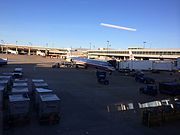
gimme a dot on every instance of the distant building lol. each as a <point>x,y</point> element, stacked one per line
<point>136,53</point>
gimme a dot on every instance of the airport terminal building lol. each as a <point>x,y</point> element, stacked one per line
<point>136,53</point>
<point>132,53</point>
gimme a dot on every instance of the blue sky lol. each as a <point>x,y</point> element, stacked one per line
<point>76,23</point>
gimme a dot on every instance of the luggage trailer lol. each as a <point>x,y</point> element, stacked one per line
<point>18,109</point>
<point>49,108</point>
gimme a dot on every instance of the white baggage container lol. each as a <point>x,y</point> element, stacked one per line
<point>20,90</point>
<point>41,91</point>
<point>19,105</point>
<point>163,65</point>
<point>49,104</point>
<point>125,64</point>
<point>141,65</point>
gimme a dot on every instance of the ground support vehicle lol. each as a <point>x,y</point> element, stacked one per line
<point>49,109</point>
<point>18,109</point>
<point>149,90</point>
<point>144,79</point>
<point>101,77</point>
<point>171,88</point>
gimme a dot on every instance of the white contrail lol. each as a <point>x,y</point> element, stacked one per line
<point>117,27</point>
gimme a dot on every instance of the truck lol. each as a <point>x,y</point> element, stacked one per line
<point>146,65</point>
<point>135,65</point>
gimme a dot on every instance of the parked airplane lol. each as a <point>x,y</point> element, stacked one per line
<point>98,64</point>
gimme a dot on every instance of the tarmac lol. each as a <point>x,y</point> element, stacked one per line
<point>88,107</point>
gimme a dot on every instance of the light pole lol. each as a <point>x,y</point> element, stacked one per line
<point>144,44</point>
<point>90,45</point>
<point>47,45</point>
<point>2,42</point>
<point>107,45</point>
<point>107,48</point>
<point>30,43</point>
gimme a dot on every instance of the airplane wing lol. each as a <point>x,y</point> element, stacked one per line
<point>98,64</point>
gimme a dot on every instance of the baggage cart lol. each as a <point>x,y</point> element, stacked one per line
<point>18,73</point>
<point>18,109</point>
<point>20,90</point>
<point>49,108</point>
<point>40,91</point>
<point>40,85</point>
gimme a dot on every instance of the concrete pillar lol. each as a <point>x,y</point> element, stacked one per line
<point>46,52</point>
<point>6,50</point>
<point>29,51</point>
<point>124,58</point>
<point>16,50</point>
<point>2,49</point>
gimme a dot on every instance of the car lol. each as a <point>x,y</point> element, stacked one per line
<point>149,89</point>
<point>144,79</point>
<point>56,65</point>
